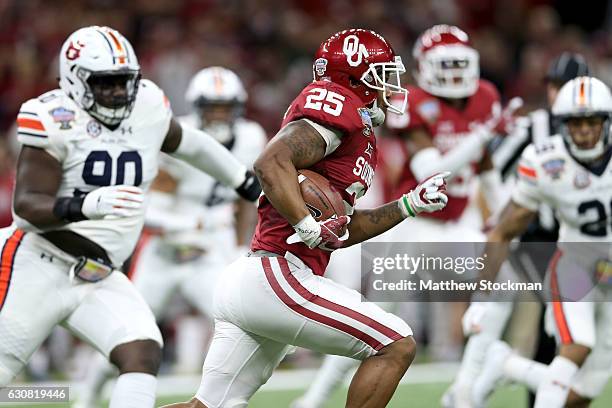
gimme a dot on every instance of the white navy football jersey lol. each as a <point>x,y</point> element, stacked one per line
<point>198,193</point>
<point>581,199</point>
<point>93,156</point>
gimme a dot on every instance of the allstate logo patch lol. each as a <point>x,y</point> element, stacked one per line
<point>429,111</point>
<point>366,120</point>
<point>320,66</point>
<point>62,116</point>
<point>554,167</point>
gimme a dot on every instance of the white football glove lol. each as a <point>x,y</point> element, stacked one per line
<point>323,234</point>
<point>471,322</point>
<point>428,196</point>
<point>119,201</point>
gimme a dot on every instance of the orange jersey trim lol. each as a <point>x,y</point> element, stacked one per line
<point>559,315</point>
<point>30,124</point>
<point>526,171</point>
<point>7,260</point>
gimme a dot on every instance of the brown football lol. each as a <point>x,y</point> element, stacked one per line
<point>322,199</point>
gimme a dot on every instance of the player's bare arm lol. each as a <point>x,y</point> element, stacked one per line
<point>297,146</point>
<point>38,179</point>
<point>246,218</point>
<point>366,224</point>
<point>428,196</point>
<point>513,222</point>
<point>208,155</point>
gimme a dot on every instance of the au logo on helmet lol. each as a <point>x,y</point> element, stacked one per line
<point>74,50</point>
<point>352,48</point>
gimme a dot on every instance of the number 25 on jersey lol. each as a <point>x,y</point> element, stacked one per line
<point>320,98</point>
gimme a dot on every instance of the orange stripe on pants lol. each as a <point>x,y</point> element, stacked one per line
<point>6,263</point>
<point>560,320</point>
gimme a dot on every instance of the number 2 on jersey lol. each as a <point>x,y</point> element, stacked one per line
<point>598,227</point>
<point>331,102</point>
<point>98,168</point>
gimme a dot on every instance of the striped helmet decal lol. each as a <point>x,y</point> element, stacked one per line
<point>218,80</point>
<point>116,44</point>
<point>582,92</point>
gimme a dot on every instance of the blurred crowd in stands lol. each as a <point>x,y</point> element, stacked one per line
<point>270,44</point>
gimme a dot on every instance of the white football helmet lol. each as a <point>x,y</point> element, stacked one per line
<point>217,86</point>
<point>584,97</point>
<point>448,66</point>
<point>96,52</point>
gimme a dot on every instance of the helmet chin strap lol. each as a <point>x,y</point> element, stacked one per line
<point>588,155</point>
<point>108,116</point>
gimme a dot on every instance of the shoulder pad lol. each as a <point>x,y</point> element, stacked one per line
<point>151,103</point>
<point>488,90</point>
<point>330,105</point>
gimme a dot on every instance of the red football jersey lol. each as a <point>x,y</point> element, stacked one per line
<point>350,168</point>
<point>447,126</point>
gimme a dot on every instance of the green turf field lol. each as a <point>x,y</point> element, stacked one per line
<point>412,396</point>
<point>407,396</point>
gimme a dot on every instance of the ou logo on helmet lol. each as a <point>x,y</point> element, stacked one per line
<point>354,51</point>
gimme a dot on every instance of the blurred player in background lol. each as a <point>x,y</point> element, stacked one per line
<point>570,172</point>
<point>89,153</point>
<point>7,180</point>
<point>197,225</point>
<point>452,116</point>
<point>484,322</point>
<point>277,295</point>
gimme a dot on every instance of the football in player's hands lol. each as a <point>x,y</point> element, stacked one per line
<point>327,235</point>
<point>321,198</point>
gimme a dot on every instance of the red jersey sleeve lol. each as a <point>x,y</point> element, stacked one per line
<point>330,105</point>
<point>489,97</point>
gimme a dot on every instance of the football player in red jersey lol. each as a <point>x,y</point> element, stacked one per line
<point>452,116</point>
<point>277,295</point>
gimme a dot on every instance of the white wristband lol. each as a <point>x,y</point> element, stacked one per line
<point>307,230</point>
<point>406,206</point>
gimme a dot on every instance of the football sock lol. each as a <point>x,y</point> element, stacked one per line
<point>556,383</point>
<point>98,372</point>
<point>525,371</point>
<point>134,390</point>
<point>471,364</point>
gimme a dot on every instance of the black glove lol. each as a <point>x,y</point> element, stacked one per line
<point>250,188</point>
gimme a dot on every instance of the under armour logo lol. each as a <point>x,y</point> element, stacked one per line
<point>558,384</point>
<point>352,48</point>
<point>369,150</point>
<point>44,256</point>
